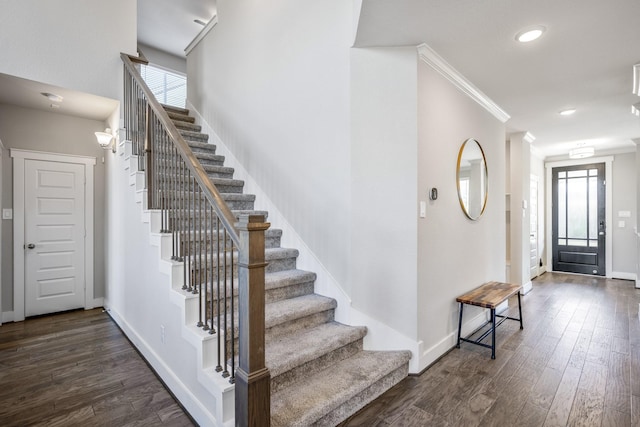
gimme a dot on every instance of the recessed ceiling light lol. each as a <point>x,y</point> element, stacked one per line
<point>52,97</point>
<point>54,106</point>
<point>567,112</point>
<point>530,34</point>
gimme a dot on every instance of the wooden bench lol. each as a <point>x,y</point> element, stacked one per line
<point>489,295</point>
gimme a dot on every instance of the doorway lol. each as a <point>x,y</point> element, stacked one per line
<point>578,219</point>
<point>53,232</point>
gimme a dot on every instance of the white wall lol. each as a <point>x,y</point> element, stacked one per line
<point>455,254</point>
<point>139,297</point>
<point>624,199</point>
<point>273,80</point>
<point>384,176</point>
<point>38,130</point>
<point>74,44</point>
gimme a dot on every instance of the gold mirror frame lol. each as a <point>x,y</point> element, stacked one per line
<point>470,202</point>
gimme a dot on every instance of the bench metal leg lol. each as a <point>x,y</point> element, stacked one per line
<point>493,333</point>
<point>460,325</point>
<point>520,310</point>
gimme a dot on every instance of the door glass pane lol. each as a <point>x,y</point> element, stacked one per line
<point>577,208</point>
<point>593,172</point>
<point>577,242</point>
<point>593,207</point>
<point>593,243</point>
<point>562,242</point>
<point>562,174</point>
<point>562,208</point>
<point>577,174</point>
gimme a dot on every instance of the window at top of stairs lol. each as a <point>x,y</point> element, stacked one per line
<point>169,87</point>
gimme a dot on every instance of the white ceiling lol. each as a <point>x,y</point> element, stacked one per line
<point>169,25</point>
<point>584,60</point>
<point>28,94</point>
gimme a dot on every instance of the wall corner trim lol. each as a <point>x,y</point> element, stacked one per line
<point>435,61</point>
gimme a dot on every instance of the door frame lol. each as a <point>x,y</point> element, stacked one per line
<point>19,158</point>
<point>608,178</point>
<point>1,160</point>
<point>536,179</point>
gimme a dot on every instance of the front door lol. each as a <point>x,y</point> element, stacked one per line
<point>54,236</point>
<point>579,219</point>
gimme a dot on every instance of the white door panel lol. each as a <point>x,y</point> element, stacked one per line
<point>54,225</point>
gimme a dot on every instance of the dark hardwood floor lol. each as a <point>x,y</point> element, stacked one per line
<point>576,363</point>
<point>77,368</point>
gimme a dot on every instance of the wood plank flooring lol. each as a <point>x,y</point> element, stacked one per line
<point>576,363</point>
<point>77,368</point>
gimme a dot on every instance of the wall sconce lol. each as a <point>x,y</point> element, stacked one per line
<point>105,138</point>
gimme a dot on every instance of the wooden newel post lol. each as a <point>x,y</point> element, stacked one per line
<point>253,380</point>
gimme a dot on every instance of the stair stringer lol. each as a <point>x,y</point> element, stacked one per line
<point>205,344</point>
<point>379,336</point>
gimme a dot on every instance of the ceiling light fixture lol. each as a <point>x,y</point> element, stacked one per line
<point>530,34</point>
<point>567,112</point>
<point>581,152</point>
<point>636,79</point>
<point>52,96</point>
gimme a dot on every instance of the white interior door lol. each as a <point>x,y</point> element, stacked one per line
<point>54,216</point>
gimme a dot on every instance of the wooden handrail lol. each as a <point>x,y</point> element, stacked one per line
<point>209,190</point>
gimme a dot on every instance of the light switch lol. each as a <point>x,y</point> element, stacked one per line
<point>7,213</point>
<point>621,224</point>
<point>423,209</point>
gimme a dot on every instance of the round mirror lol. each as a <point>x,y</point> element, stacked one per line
<point>472,179</point>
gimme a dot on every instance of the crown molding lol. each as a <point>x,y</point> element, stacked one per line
<point>435,61</point>
<point>529,137</point>
<point>201,35</point>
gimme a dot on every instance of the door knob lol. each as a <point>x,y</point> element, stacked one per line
<point>31,246</point>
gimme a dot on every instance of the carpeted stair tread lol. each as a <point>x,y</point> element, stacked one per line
<point>312,398</point>
<point>281,279</point>
<point>176,110</point>
<point>182,125</point>
<point>288,310</point>
<point>193,136</point>
<point>290,351</point>
<point>180,117</point>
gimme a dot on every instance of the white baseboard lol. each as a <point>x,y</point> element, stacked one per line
<point>624,276</point>
<point>7,317</point>
<point>432,354</point>
<point>197,409</point>
<point>527,287</point>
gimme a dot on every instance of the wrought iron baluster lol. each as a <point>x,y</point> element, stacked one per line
<point>221,327</point>
<point>225,373</point>
<point>232,380</point>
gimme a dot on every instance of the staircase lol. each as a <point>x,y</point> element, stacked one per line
<point>320,374</point>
